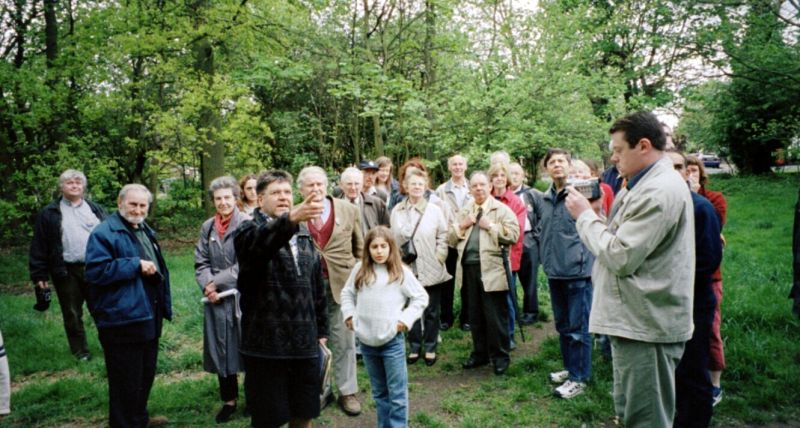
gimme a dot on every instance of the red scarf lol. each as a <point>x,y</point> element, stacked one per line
<point>221,224</point>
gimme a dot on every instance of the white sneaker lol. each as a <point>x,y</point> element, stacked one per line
<point>570,389</point>
<point>559,377</point>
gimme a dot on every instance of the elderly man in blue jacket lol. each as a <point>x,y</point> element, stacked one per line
<point>129,296</point>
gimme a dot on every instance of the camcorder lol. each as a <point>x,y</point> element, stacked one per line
<point>590,188</point>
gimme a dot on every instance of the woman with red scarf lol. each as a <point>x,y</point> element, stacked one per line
<point>216,272</point>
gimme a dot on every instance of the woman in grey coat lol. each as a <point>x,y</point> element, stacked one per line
<point>216,271</point>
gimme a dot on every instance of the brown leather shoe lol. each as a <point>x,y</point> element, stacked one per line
<point>157,421</point>
<point>350,404</point>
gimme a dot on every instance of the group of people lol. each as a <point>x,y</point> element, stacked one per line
<point>376,263</point>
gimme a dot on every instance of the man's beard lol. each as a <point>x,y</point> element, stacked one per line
<point>137,220</point>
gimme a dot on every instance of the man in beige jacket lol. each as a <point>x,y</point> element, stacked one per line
<point>644,271</point>
<point>482,232</point>
<point>337,235</point>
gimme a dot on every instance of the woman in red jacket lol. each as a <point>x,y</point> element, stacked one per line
<point>698,180</point>
<point>498,175</point>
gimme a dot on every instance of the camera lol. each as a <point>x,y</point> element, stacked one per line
<point>42,299</point>
<point>590,188</point>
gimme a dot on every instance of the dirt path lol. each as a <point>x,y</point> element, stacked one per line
<point>427,392</point>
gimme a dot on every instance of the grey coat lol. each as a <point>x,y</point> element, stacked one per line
<point>215,260</point>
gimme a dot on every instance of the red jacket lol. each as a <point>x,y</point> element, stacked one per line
<point>515,203</point>
<point>718,201</point>
<point>721,207</point>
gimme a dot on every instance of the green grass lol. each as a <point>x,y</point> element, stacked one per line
<point>762,341</point>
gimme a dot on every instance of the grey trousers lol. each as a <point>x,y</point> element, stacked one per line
<point>342,343</point>
<point>644,382</point>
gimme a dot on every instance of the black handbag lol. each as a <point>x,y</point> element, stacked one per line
<point>407,251</point>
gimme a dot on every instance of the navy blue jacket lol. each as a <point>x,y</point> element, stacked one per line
<point>119,295</point>
<point>561,251</point>
<point>708,251</point>
<point>612,178</point>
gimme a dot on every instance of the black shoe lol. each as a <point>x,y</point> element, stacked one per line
<point>473,362</point>
<point>512,345</point>
<point>466,327</point>
<point>431,361</point>
<point>411,360</point>
<point>84,356</point>
<point>225,413</point>
<point>500,366</point>
<point>444,326</point>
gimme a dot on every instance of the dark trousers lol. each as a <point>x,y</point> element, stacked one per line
<point>448,288</point>
<point>429,337</point>
<point>280,390</point>
<point>693,394</point>
<point>131,369</point>
<point>228,387</point>
<point>72,291</point>
<point>488,316</point>
<point>528,273</point>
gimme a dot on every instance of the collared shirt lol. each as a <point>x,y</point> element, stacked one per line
<point>482,206</point>
<point>326,210</point>
<point>635,179</point>
<point>77,222</point>
<point>460,192</point>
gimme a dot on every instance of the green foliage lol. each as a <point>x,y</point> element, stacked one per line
<point>182,210</point>
<point>755,112</point>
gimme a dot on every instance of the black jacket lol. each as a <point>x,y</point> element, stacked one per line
<point>284,312</point>
<point>46,256</point>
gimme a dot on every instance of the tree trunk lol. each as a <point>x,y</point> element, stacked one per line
<point>213,164</point>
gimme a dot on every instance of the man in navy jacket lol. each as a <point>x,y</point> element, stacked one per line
<point>129,296</point>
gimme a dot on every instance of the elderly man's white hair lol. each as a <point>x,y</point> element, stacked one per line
<point>71,174</point>
<point>352,172</point>
<point>311,170</point>
<point>134,187</point>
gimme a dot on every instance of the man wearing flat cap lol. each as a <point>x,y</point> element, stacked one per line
<point>370,170</point>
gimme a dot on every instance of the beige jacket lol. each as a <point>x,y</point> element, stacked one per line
<point>643,276</point>
<point>343,249</point>
<point>430,241</point>
<point>503,233</point>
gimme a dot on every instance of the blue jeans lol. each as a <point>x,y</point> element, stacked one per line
<point>572,301</point>
<point>388,375</point>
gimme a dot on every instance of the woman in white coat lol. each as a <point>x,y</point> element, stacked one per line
<point>424,223</point>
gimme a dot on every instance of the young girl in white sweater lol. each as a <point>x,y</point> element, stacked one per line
<point>380,300</point>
